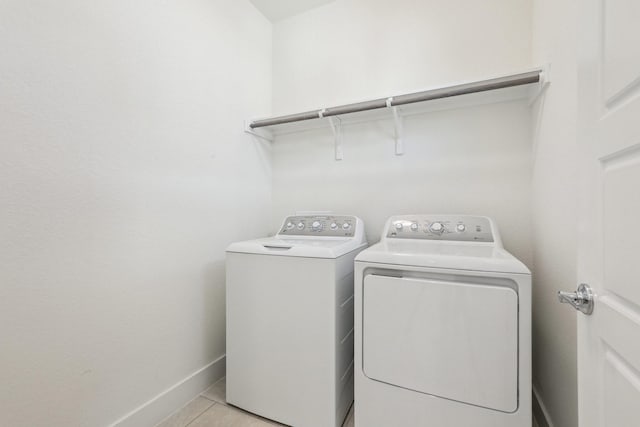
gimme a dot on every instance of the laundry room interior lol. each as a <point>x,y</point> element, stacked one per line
<point>214,212</point>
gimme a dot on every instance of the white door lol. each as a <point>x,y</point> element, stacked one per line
<point>456,340</point>
<point>609,218</point>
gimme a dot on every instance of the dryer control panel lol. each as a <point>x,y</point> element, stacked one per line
<point>319,225</point>
<point>461,228</point>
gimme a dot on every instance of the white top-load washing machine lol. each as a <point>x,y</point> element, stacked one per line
<point>442,327</point>
<point>290,321</point>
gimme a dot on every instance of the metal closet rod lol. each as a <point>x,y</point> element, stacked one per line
<point>411,98</point>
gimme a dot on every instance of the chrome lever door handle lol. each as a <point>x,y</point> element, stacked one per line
<point>581,300</point>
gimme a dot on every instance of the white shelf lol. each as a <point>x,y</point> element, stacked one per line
<point>524,85</point>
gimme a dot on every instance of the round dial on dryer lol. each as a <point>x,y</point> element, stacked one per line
<point>436,227</point>
<point>346,226</point>
<point>460,228</point>
<point>398,226</point>
<point>290,225</point>
<point>300,225</point>
<point>334,226</point>
<point>316,226</point>
<point>414,226</point>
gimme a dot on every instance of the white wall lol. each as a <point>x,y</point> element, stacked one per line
<point>124,174</point>
<point>473,160</point>
<point>554,212</point>
<point>360,49</point>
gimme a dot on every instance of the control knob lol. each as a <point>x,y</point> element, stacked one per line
<point>300,225</point>
<point>334,226</point>
<point>436,227</point>
<point>414,226</point>
<point>398,226</point>
<point>316,226</point>
<point>460,228</point>
<point>346,226</point>
<point>290,225</point>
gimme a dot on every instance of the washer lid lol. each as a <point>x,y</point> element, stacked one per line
<point>443,254</point>
<point>327,247</point>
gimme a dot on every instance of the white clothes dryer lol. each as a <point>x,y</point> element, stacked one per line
<point>290,321</point>
<point>442,327</point>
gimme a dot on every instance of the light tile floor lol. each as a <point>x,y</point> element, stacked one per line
<point>210,409</point>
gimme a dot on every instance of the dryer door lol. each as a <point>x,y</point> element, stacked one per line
<point>454,340</point>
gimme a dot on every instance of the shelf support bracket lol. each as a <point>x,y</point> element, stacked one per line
<point>264,135</point>
<point>398,128</point>
<point>336,128</point>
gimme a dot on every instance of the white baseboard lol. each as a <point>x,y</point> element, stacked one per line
<point>540,412</point>
<point>175,397</point>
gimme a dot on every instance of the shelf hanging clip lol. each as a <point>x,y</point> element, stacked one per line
<point>543,84</point>
<point>398,127</point>
<point>262,134</point>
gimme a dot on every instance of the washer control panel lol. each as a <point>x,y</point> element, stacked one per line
<point>461,228</point>
<point>319,225</point>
